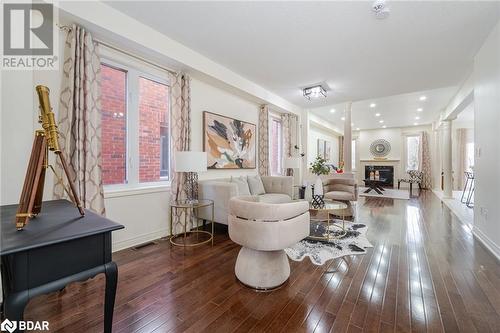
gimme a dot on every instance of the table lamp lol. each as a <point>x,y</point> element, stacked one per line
<point>191,162</point>
<point>291,163</point>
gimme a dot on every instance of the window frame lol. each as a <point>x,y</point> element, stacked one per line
<point>277,118</point>
<point>405,138</point>
<point>136,69</point>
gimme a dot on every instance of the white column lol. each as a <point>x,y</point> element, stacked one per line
<point>347,139</point>
<point>447,160</point>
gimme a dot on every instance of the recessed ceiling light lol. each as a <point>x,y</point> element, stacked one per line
<point>332,110</point>
<point>372,105</point>
<point>417,118</point>
<point>343,118</point>
<point>423,98</point>
<point>420,109</point>
<point>381,121</point>
<point>415,124</point>
<point>384,126</point>
<point>357,128</point>
<point>377,114</point>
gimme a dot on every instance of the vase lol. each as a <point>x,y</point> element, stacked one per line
<point>318,186</point>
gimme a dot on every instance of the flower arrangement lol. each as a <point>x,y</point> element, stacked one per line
<point>319,166</point>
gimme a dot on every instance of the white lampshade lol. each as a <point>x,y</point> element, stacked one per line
<point>292,163</point>
<point>190,161</point>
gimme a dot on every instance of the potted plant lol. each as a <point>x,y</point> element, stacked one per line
<point>319,167</point>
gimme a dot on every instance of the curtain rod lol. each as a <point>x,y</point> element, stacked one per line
<point>68,29</point>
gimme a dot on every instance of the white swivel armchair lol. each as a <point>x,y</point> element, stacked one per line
<point>264,230</point>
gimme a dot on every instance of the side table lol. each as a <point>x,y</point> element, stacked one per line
<point>190,212</point>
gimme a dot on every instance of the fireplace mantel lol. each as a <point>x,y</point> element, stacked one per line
<point>376,161</point>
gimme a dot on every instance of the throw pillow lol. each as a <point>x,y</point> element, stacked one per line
<point>256,185</point>
<point>242,184</point>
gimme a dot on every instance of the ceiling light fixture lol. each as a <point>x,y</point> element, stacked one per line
<point>417,118</point>
<point>420,109</point>
<point>416,124</point>
<point>357,128</point>
<point>343,118</point>
<point>314,92</point>
<point>332,111</point>
<point>384,126</point>
<point>373,105</point>
<point>377,114</point>
<point>380,9</point>
<point>423,98</point>
<point>381,121</point>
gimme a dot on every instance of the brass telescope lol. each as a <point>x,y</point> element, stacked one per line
<point>47,139</point>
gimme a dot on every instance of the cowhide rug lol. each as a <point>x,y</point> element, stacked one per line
<point>319,252</point>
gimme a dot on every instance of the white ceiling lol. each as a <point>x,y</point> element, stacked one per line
<point>287,45</point>
<point>395,111</point>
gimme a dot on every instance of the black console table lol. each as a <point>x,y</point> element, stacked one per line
<point>56,248</point>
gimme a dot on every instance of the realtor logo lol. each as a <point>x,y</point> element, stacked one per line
<point>28,36</point>
<point>8,326</point>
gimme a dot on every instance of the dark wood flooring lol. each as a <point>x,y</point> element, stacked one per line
<point>425,273</point>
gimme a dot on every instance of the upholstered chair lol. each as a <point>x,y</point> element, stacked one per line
<point>414,177</point>
<point>341,189</point>
<point>264,230</point>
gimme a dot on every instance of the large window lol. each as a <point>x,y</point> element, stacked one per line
<point>469,156</point>
<point>114,125</point>
<point>275,145</point>
<point>135,123</point>
<point>412,152</point>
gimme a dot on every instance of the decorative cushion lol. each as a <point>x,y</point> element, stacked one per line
<point>274,198</point>
<point>256,185</point>
<point>242,184</point>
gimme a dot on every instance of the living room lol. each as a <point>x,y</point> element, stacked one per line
<point>250,166</point>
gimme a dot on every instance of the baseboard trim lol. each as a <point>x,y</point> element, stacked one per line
<point>487,242</point>
<point>141,239</point>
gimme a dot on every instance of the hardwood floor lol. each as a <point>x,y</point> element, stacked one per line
<point>425,273</point>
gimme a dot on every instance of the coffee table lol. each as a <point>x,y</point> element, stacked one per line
<point>375,185</point>
<point>330,207</point>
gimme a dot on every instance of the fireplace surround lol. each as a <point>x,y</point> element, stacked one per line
<point>385,171</point>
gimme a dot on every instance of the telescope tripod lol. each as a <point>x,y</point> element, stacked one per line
<point>30,203</point>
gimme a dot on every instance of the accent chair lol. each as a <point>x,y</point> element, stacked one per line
<point>264,230</point>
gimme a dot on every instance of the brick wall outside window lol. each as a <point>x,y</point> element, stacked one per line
<point>153,116</point>
<point>113,125</point>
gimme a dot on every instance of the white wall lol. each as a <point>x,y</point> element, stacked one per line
<point>487,124</point>
<point>395,136</point>
<point>316,133</point>
<point>206,97</point>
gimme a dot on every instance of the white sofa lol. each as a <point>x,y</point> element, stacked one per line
<point>278,189</point>
<point>264,230</point>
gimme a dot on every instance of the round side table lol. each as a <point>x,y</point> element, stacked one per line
<point>329,207</point>
<point>190,210</point>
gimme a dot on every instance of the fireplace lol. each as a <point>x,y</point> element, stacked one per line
<point>385,171</point>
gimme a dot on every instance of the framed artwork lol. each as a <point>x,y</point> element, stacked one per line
<point>229,143</point>
<point>321,148</point>
<point>328,150</point>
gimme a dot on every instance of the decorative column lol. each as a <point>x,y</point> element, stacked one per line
<point>447,160</point>
<point>347,139</point>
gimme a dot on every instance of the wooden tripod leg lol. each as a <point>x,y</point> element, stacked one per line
<point>76,199</point>
<point>31,181</point>
<point>37,205</point>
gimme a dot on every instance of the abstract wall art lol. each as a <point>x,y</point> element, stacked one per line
<point>229,143</point>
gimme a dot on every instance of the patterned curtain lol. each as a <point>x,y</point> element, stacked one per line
<point>425,161</point>
<point>264,140</point>
<point>341,149</point>
<point>80,120</point>
<point>290,123</point>
<point>180,136</point>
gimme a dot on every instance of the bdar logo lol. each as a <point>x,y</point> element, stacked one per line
<point>9,326</point>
